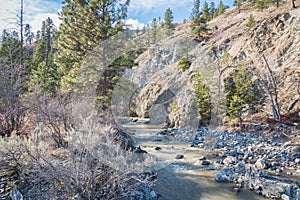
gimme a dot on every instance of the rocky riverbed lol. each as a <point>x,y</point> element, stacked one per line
<point>268,164</point>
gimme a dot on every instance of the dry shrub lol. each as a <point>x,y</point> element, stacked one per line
<point>91,167</point>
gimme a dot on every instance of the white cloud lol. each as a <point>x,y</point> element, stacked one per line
<point>37,21</point>
<point>35,11</point>
<point>134,24</point>
<point>146,5</point>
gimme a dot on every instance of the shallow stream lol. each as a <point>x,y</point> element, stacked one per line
<point>182,179</point>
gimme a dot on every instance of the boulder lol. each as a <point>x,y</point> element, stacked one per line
<point>230,160</point>
<point>225,175</point>
<point>261,163</point>
<point>15,194</point>
<point>179,156</point>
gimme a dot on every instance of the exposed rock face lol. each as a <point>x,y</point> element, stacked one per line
<point>276,34</point>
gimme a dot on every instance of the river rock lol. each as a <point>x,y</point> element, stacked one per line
<point>229,160</point>
<point>205,162</point>
<point>261,163</point>
<point>225,175</point>
<point>202,158</point>
<point>179,156</point>
<point>139,150</point>
<point>15,194</point>
<point>153,194</point>
<point>157,148</point>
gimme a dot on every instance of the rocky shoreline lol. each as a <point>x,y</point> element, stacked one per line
<point>268,165</point>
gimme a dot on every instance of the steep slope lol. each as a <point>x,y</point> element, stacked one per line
<point>166,92</point>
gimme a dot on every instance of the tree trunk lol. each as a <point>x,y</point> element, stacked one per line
<point>274,100</point>
<point>22,37</point>
<point>293,4</point>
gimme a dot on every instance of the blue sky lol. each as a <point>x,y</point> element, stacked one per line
<point>140,12</point>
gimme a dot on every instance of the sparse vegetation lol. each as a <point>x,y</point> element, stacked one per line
<point>91,167</point>
<point>250,22</point>
<point>184,63</point>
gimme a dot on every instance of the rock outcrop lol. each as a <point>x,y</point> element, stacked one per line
<point>168,91</point>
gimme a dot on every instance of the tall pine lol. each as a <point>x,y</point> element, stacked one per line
<point>85,25</point>
<point>44,71</point>
<point>168,20</point>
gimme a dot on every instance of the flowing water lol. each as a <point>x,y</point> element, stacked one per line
<point>186,178</point>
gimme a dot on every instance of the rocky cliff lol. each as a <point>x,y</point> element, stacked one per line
<point>165,93</point>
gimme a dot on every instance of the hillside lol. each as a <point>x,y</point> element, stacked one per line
<point>274,34</point>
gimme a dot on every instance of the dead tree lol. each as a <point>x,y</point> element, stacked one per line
<point>270,86</point>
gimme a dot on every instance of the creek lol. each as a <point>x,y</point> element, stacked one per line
<point>186,178</point>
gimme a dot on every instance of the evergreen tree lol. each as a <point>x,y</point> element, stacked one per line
<point>29,36</point>
<point>238,4</point>
<point>239,92</point>
<point>212,9</point>
<point>85,24</point>
<point>9,49</point>
<point>198,24</point>
<point>196,10</point>
<point>221,8</point>
<point>205,11</point>
<point>203,98</point>
<point>44,71</point>
<point>168,19</point>
<point>154,26</point>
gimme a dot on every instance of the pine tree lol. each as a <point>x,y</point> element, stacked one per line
<point>29,36</point>
<point>196,10</point>
<point>44,71</point>
<point>212,9</point>
<point>154,26</point>
<point>239,92</point>
<point>198,24</point>
<point>168,19</point>
<point>85,24</point>
<point>238,4</point>
<point>203,98</point>
<point>221,8</point>
<point>205,11</point>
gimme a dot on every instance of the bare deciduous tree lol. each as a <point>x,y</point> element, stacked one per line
<point>269,83</point>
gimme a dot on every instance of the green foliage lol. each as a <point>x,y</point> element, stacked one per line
<point>212,9</point>
<point>262,4</point>
<point>196,9</point>
<point>203,98</point>
<point>168,20</point>
<point>239,91</point>
<point>154,25</point>
<point>250,22</point>
<point>174,105</point>
<point>184,63</point>
<point>198,26</point>
<point>238,3</point>
<point>221,8</point>
<point>10,48</point>
<point>44,72</point>
<point>206,12</point>
<point>199,19</point>
<point>84,26</point>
